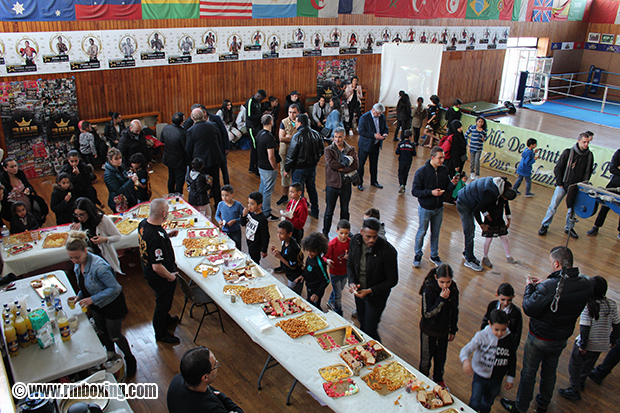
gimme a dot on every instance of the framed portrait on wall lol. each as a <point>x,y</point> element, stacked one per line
<point>607,38</point>
<point>594,37</point>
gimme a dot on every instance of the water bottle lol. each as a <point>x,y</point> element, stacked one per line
<point>4,232</point>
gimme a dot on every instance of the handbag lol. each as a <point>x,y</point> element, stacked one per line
<point>326,133</point>
<point>352,178</point>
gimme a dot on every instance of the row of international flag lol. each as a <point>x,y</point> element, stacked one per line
<point>595,11</point>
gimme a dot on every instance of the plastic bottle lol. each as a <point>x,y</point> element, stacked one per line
<point>51,314</point>
<point>4,232</point>
<point>32,336</point>
<point>63,326</point>
<point>22,330</point>
<point>55,298</point>
<point>8,315</point>
<point>14,306</point>
<point>11,339</point>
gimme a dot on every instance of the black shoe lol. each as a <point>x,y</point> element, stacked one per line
<point>509,405</point>
<point>131,363</point>
<point>283,200</point>
<point>592,232</point>
<point>595,377</point>
<point>543,230</point>
<point>278,270</point>
<point>169,339</point>
<point>354,314</point>
<point>541,409</point>
<point>272,217</point>
<point>572,233</point>
<point>569,394</point>
<point>315,216</point>
<point>360,187</point>
<point>172,321</point>
<point>377,185</point>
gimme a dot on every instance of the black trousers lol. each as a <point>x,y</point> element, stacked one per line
<point>369,310</point>
<point>164,294</point>
<point>374,162</point>
<point>579,366</point>
<point>416,135</point>
<point>433,349</point>
<point>403,173</point>
<point>176,179</point>
<point>404,124</point>
<point>602,214</point>
<point>214,172</point>
<point>253,153</point>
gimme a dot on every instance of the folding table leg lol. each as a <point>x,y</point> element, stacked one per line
<point>288,396</point>
<point>266,367</point>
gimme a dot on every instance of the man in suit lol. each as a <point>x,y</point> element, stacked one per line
<point>372,130</point>
<point>175,158</point>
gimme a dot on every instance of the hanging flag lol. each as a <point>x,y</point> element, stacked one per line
<point>125,10</point>
<point>506,9</point>
<point>19,10</point>
<point>170,9</point>
<point>37,10</point>
<point>451,9</point>
<point>602,11</point>
<point>274,9</point>
<point>57,10</point>
<point>225,9</point>
<point>370,6</point>
<point>92,10</point>
<point>393,8</point>
<point>317,8</point>
<point>482,9</point>
<point>560,9</point>
<point>541,12</point>
<point>351,7</point>
<point>424,9</point>
<point>576,10</point>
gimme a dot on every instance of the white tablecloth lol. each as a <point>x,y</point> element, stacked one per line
<point>301,357</point>
<point>36,365</point>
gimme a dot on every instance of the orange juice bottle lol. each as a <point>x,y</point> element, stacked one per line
<point>63,325</point>
<point>8,315</point>
<point>32,336</point>
<point>22,330</point>
<point>11,338</point>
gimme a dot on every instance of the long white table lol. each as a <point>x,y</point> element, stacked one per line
<point>301,357</point>
<point>37,365</point>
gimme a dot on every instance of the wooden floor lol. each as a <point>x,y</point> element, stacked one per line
<point>242,360</point>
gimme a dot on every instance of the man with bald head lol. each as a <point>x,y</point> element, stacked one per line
<point>133,141</point>
<point>203,142</point>
<point>159,267</point>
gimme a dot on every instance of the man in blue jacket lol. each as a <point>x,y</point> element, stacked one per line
<point>431,181</point>
<point>372,130</point>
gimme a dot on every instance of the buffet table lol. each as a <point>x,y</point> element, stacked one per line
<point>37,365</point>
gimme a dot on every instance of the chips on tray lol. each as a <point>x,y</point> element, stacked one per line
<point>335,372</point>
<point>302,325</point>
<point>233,289</point>
<point>260,294</point>
<point>386,378</point>
<point>143,211</point>
<point>23,237</point>
<point>55,240</point>
<point>127,226</point>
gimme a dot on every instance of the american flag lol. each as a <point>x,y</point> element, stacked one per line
<point>225,9</point>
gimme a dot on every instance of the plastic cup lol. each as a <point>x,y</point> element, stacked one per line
<point>47,292</point>
<point>71,302</point>
<point>73,324</point>
<point>85,309</point>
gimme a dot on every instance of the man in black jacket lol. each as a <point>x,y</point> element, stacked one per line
<point>191,391</point>
<point>614,182</point>
<point>254,113</point>
<point>553,306</point>
<point>203,141</point>
<point>575,165</point>
<point>372,269</point>
<point>302,157</point>
<point>431,181</point>
<point>175,158</point>
<point>133,141</point>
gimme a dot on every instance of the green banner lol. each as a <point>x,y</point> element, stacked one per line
<point>505,144</point>
<point>576,10</point>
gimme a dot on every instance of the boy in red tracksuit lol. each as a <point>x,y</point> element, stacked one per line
<point>296,210</point>
<point>336,258</point>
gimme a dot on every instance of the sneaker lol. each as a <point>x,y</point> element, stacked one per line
<point>283,200</point>
<point>517,192</point>
<point>543,230</point>
<point>618,235</point>
<point>592,232</point>
<point>272,218</point>
<point>443,385</point>
<point>351,132</point>
<point>168,339</point>
<point>572,233</point>
<point>474,265</point>
<point>354,314</point>
<point>511,260</point>
<point>472,177</point>
<point>595,377</point>
<point>529,195</point>
<point>417,260</point>
<point>436,261</point>
<point>569,394</point>
<point>509,405</point>
<point>360,187</point>
<point>278,270</point>
<point>487,262</point>
<point>401,190</point>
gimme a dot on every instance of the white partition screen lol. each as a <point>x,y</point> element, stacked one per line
<point>412,67</point>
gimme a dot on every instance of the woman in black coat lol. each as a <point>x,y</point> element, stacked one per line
<point>114,128</point>
<point>458,151</point>
<point>18,188</point>
<point>403,114</point>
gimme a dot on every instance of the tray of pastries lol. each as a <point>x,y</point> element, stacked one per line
<point>44,281</point>
<point>127,226</point>
<point>340,388</point>
<point>435,399</point>
<point>24,237</point>
<point>233,289</point>
<point>55,240</point>
<point>206,269</point>
<point>18,249</point>
<point>367,354</point>
<point>338,337</point>
<point>180,213</point>
<point>178,224</point>
<point>203,233</point>
<point>284,307</point>
<point>335,372</point>
<point>241,274</point>
<point>143,211</point>
<point>387,378</point>
<point>261,294</point>
<point>304,324</point>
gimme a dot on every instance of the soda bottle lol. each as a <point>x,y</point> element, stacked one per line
<point>55,298</point>
<point>22,330</point>
<point>32,336</point>
<point>63,325</point>
<point>11,338</point>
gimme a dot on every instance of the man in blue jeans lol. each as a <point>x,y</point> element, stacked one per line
<point>302,157</point>
<point>267,163</point>
<point>553,306</point>
<point>431,181</point>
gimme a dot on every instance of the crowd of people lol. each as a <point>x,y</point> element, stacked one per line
<point>364,264</point>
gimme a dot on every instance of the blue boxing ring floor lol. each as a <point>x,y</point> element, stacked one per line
<point>581,109</point>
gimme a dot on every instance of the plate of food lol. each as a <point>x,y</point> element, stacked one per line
<point>387,378</point>
<point>304,324</point>
<point>340,388</point>
<point>203,233</point>
<point>55,240</point>
<point>284,307</point>
<point>127,226</point>
<point>23,238</point>
<point>143,211</point>
<point>249,272</point>
<point>206,269</point>
<point>338,337</point>
<point>435,399</point>
<point>261,294</point>
<point>180,213</point>
<point>178,224</point>
<point>18,249</point>
<point>335,372</point>
<point>233,289</point>
<point>367,354</point>
<point>38,284</point>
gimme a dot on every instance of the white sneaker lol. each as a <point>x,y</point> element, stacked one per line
<point>351,132</point>
<point>472,177</point>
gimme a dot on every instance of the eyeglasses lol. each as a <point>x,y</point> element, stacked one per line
<point>80,215</point>
<point>203,348</point>
<point>216,366</point>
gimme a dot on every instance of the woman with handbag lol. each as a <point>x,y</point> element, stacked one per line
<point>334,119</point>
<point>18,188</point>
<point>100,291</point>
<point>341,165</point>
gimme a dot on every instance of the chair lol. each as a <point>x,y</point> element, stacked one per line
<point>198,298</point>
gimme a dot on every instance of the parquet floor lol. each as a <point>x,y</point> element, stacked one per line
<point>242,360</point>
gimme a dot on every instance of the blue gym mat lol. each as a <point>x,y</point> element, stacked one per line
<point>581,109</point>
